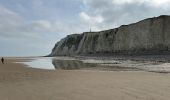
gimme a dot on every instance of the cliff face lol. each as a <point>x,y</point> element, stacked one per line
<point>147,36</point>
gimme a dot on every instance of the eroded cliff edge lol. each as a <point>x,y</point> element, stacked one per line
<point>149,36</point>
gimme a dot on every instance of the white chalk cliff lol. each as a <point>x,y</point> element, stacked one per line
<point>149,36</point>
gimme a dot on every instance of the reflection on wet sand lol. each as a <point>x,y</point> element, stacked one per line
<point>68,63</point>
<point>71,64</point>
<point>76,64</point>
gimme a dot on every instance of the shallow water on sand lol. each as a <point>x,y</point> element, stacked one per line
<point>69,63</point>
<point>59,63</point>
<point>41,63</point>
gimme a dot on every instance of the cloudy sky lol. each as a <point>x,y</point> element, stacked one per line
<point>32,27</point>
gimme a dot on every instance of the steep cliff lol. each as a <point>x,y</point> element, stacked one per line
<point>147,36</point>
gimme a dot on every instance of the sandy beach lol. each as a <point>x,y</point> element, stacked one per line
<point>18,82</point>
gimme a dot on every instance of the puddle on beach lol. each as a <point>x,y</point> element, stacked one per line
<point>59,63</point>
<point>67,63</point>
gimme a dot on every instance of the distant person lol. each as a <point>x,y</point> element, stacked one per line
<point>2,60</point>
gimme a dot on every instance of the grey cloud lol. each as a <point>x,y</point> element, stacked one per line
<point>129,11</point>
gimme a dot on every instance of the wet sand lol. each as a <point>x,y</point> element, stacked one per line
<point>18,82</point>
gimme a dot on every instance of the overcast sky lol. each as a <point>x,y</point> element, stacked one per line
<point>32,27</point>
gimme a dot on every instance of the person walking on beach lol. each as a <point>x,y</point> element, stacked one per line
<point>2,60</point>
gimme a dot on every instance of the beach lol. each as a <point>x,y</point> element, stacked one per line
<point>19,82</point>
